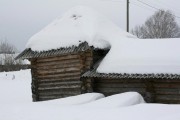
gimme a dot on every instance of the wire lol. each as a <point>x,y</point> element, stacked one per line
<point>114,0</point>
<point>141,6</point>
<point>155,8</point>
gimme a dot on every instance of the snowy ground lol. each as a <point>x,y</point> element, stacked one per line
<point>15,104</point>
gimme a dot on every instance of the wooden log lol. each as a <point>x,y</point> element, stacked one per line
<point>116,90</point>
<point>120,85</point>
<point>167,85</point>
<point>53,93</point>
<point>59,66</point>
<point>59,87</point>
<point>60,83</point>
<point>113,80</point>
<point>59,58</point>
<point>59,79</point>
<point>71,61</point>
<point>63,75</point>
<point>167,91</point>
<point>58,71</point>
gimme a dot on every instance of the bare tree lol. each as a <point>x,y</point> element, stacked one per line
<point>7,48</point>
<point>160,25</point>
<point>7,54</point>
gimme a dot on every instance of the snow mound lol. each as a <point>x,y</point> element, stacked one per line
<point>75,100</point>
<point>118,100</point>
<point>79,24</point>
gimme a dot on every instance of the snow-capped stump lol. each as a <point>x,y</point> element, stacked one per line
<point>84,52</point>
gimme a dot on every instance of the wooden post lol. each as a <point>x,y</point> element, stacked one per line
<point>127,15</point>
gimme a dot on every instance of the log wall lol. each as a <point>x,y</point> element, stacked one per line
<point>57,77</point>
<point>153,90</point>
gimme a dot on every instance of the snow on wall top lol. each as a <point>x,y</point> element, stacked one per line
<point>142,56</point>
<point>79,24</point>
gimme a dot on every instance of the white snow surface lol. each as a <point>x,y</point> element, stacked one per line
<point>15,104</point>
<point>118,100</point>
<point>142,56</point>
<point>78,25</point>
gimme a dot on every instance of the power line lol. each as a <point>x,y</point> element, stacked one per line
<point>141,6</point>
<point>155,7</point>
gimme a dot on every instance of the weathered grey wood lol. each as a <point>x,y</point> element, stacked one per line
<point>58,71</point>
<point>75,74</point>
<point>59,66</point>
<point>74,61</point>
<point>59,58</point>
<point>61,79</point>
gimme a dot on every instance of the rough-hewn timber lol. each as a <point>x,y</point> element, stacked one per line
<point>59,76</point>
<point>153,90</point>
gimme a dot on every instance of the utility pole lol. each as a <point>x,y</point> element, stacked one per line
<point>127,16</point>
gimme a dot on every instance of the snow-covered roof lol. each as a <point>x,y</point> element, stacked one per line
<point>142,56</point>
<point>127,53</point>
<point>78,25</point>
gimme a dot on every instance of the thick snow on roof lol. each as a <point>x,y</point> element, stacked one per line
<point>79,24</point>
<point>127,54</point>
<point>142,56</point>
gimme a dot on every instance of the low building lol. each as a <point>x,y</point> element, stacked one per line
<point>84,52</point>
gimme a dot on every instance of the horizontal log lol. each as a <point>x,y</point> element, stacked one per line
<point>119,85</point>
<point>55,93</point>
<point>58,71</point>
<point>118,81</point>
<point>59,87</point>
<point>71,61</point>
<point>167,81</point>
<point>116,90</point>
<point>61,83</point>
<point>59,79</point>
<point>75,74</point>
<point>167,85</point>
<point>167,91</point>
<point>43,98</point>
<point>59,58</point>
<point>59,66</point>
<point>167,101</point>
<point>167,97</point>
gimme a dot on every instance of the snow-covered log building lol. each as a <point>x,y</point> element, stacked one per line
<point>84,52</point>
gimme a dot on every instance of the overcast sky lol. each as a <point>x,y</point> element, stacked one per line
<point>20,19</point>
